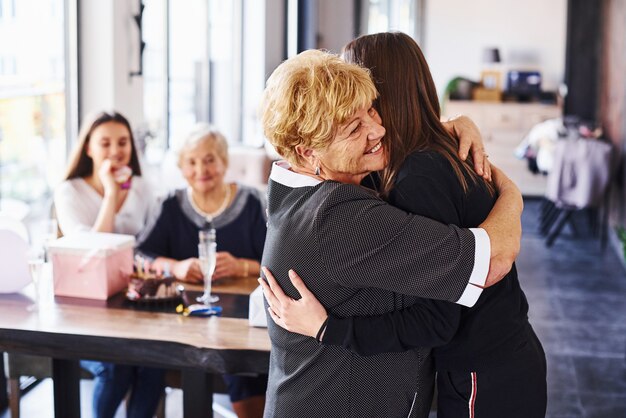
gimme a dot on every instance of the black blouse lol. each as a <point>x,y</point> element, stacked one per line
<point>466,339</point>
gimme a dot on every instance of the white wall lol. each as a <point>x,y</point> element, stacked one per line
<point>529,33</point>
<point>335,24</point>
<point>274,34</point>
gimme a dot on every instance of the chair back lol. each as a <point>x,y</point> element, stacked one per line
<point>250,166</point>
<point>13,257</point>
<point>11,224</point>
<point>581,173</point>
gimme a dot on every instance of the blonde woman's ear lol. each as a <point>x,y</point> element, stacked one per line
<point>311,157</point>
<point>307,154</point>
<point>304,152</point>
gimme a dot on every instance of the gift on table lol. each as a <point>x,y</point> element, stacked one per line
<point>93,265</point>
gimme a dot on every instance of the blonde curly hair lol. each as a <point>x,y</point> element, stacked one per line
<point>308,97</point>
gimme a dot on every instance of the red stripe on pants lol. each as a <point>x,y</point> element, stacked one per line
<point>472,399</point>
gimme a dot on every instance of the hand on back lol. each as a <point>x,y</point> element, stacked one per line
<point>470,139</point>
<point>303,316</point>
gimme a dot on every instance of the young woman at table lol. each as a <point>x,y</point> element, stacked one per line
<point>99,194</point>
<point>236,212</point>
<point>489,361</point>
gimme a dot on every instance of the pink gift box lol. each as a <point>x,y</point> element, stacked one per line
<point>93,265</point>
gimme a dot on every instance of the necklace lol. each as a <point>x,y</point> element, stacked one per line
<point>209,215</point>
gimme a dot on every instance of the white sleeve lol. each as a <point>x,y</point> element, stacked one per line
<point>68,209</point>
<point>478,277</point>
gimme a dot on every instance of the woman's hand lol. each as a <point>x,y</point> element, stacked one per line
<point>105,173</point>
<point>504,227</point>
<point>303,316</point>
<point>468,134</point>
<point>227,266</point>
<point>111,201</point>
<point>188,270</point>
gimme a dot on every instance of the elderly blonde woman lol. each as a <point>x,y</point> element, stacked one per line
<point>237,213</point>
<point>357,254</point>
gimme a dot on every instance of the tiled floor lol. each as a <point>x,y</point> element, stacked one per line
<point>577,296</point>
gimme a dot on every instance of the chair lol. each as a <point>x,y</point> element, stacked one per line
<point>13,257</point>
<point>579,181</point>
<point>37,367</point>
<point>13,208</point>
<point>15,225</point>
<point>18,365</point>
<point>4,398</point>
<point>250,166</point>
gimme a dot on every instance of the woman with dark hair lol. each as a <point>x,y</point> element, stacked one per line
<point>489,361</point>
<point>103,191</point>
<point>359,255</point>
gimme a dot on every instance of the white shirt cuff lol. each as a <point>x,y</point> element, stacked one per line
<point>482,256</point>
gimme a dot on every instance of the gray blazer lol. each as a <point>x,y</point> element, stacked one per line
<point>359,256</point>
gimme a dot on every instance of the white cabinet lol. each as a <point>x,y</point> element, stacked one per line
<point>503,126</point>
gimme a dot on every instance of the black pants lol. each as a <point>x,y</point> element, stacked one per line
<point>513,389</point>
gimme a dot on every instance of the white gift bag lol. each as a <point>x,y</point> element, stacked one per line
<point>256,313</point>
<point>13,258</point>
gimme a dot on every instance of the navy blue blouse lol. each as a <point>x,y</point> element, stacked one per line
<point>240,229</point>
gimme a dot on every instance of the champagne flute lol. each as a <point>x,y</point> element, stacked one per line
<point>207,256</point>
<point>36,259</point>
<point>43,232</point>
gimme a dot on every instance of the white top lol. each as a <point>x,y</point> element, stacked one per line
<point>77,205</point>
<point>282,173</point>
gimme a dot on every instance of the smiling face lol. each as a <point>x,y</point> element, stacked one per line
<point>110,140</point>
<point>356,149</point>
<point>202,167</point>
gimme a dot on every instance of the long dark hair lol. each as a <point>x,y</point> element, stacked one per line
<point>81,164</point>
<point>407,103</point>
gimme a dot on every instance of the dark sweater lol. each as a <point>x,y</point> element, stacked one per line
<point>486,334</point>
<point>240,229</point>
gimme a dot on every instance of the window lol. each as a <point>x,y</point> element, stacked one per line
<point>399,15</point>
<point>205,67</point>
<point>7,8</point>
<point>32,98</point>
<point>155,76</point>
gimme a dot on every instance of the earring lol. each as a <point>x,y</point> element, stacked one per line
<point>317,171</point>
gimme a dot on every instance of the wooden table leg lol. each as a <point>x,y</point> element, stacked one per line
<point>66,378</point>
<point>4,399</point>
<point>197,394</point>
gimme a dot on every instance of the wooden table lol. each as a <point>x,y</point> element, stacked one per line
<point>69,329</point>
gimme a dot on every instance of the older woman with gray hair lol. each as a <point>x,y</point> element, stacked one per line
<point>237,213</point>
<point>356,253</point>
